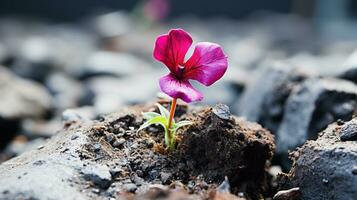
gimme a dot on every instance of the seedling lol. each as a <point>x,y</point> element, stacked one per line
<point>207,65</point>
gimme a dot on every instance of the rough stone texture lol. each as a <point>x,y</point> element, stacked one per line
<point>264,98</point>
<point>311,107</point>
<point>324,169</point>
<point>83,162</point>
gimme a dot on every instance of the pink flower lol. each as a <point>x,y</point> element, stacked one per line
<point>207,64</point>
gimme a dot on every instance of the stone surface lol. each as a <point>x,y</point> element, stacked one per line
<point>265,95</point>
<point>323,169</point>
<point>311,107</point>
<point>349,131</point>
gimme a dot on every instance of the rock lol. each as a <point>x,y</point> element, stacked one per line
<point>20,145</point>
<point>21,98</point>
<point>130,187</point>
<point>112,64</point>
<point>323,168</point>
<point>350,68</point>
<point>265,95</point>
<point>165,177</point>
<point>109,94</point>
<point>66,91</point>
<point>291,194</point>
<point>349,131</point>
<point>85,113</point>
<point>98,174</point>
<point>222,111</point>
<point>40,128</point>
<point>311,107</point>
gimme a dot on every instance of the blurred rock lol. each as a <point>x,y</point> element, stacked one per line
<point>109,93</point>
<point>291,194</point>
<point>40,128</point>
<point>85,113</point>
<point>113,64</point>
<point>21,98</point>
<point>20,145</point>
<point>324,169</point>
<point>266,93</point>
<point>112,24</point>
<point>66,91</point>
<point>350,72</point>
<point>311,107</point>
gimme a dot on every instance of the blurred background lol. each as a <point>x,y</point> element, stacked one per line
<point>67,60</point>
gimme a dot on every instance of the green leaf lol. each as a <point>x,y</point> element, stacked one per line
<point>181,124</point>
<point>150,115</point>
<point>156,120</point>
<point>164,112</point>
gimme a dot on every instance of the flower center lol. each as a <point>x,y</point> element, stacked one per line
<point>180,71</point>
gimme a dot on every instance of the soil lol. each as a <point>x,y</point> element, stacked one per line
<point>215,147</point>
<point>220,156</point>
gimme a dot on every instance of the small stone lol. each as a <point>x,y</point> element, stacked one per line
<point>110,138</point>
<point>74,136</point>
<point>130,187</point>
<point>225,186</point>
<point>119,143</point>
<point>325,181</point>
<point>115,171</point>
<point>98,174</point>
<point>291,194</point>
<point>165,177</point>
<point>222,111</point>
<point>97,147</point>
<point>349,131</point>
<point>153,174</point>
<point>96,190</point>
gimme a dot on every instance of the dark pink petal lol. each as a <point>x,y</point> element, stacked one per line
<point>171,48</point>
<point>207,64</point>
<point>181,89</point>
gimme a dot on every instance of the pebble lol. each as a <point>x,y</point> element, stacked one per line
<point>98,174</point>
<point>222,111</point>
<point>130,187</point>
<point>165,177</point>
<point>349,131</point>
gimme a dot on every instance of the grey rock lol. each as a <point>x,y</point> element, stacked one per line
<point>98,174</point>
<point>311,107</point>
<point>291,194</point>
<point>265,95</point>
<point>349,131</point>
<point>130,187</point>
<point>113,64</point>
<point>78,114</point>
<point>21,98</point>
<point>222,111</point>
<point>322,168</point>
<point>66,91</point>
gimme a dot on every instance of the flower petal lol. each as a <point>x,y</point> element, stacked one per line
<point>171,48</point>
<point>207,64</point>
<point>179,89</point>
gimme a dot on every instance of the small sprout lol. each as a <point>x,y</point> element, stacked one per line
<point>207,65</point>
<point>163,120</point>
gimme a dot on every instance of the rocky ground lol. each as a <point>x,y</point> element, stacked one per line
<point>68,124</point>
<point>109,158</point>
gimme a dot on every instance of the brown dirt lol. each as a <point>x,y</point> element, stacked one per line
<point>214,147</point>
